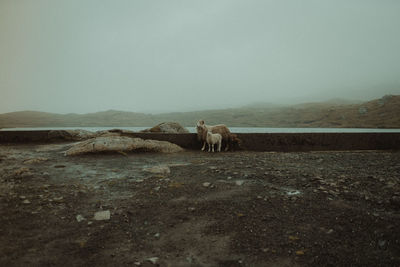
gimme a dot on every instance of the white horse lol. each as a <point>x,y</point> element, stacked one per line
<point>213,139</point>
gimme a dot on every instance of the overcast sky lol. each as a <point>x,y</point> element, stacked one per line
<point>79,56</point>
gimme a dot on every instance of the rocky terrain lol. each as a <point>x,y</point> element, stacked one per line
<point>378,113</point>
<point>198,209</point>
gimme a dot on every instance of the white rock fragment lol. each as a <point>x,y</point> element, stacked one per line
<point>239,182</point>
<point>206,184</point>
<point>153,260</point>
<point>102,215</point>
<point>80,218</point>
<point>26,201</point>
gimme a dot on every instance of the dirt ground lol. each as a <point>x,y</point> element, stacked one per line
<point>198,209</point>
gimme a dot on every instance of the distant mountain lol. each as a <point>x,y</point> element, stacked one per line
<point>379,113</point>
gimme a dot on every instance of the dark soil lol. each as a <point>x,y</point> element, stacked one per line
<point>221,209</point>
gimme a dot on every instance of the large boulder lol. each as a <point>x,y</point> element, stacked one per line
<point>121,144</point>
<point>80,135</point>
<point>167,127</point>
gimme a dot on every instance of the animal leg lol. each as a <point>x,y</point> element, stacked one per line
<point>227,146</point>
<point>204,146</point>
<point>219,146</point>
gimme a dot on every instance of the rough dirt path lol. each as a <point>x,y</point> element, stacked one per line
<point>199,209</point>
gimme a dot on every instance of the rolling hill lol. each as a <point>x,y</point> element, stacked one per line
<point>378,113</point>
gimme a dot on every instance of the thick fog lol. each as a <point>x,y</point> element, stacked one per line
<point>81,56</point>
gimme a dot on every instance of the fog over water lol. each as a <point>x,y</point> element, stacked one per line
<point>80,56</point>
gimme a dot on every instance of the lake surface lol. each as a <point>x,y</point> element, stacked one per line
<point>233,129</point>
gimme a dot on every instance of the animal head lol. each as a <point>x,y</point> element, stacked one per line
<point>200,123</point>
<point>201,128</point>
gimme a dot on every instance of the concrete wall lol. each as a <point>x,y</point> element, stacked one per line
<point>250,141</point>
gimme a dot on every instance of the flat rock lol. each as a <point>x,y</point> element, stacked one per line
<point>102,215</point>
<point>121,143</point>
<point>160,169</point>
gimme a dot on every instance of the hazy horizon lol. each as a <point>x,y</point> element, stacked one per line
<point>156,57</point>
<point>252,104</point>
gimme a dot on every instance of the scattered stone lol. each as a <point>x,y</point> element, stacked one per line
<point>157,188</point>
<point>293,193</point>
<point>330,231</point>
<point>102,215</point>
<point>157,235</point>
<point>153,260</point>
<point>175,185</point>
<point>229,178</point>
<point>189,259</point>
<point>80,218</point>
<point>160,169</point>
<point>26,201</point>
<point>22,197</point>
<point>381,243</point>
<point>206,184</point>
<point>239,182</point>
<point>58,199</point>
<point>191,209</point>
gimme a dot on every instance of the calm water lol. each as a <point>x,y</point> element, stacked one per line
<point>233,129</point>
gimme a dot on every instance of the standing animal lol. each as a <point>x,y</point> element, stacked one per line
<point>227,136</point>
<point>213,139</point>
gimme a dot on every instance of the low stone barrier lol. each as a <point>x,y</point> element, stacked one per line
<point>250,141</point>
